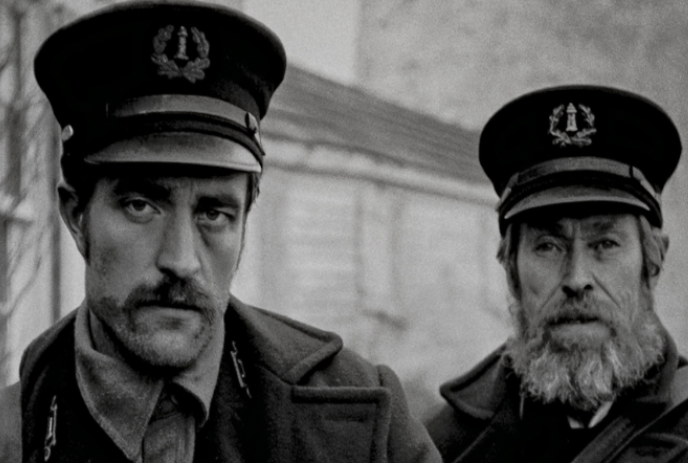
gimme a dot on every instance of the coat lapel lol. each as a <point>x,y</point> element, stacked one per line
<point>305,415</point>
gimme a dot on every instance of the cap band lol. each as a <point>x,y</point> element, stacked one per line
<point>577,164</point>
<point>190,104</point>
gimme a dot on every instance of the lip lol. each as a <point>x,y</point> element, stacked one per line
<point>575,320</point>
<point>578,323</point>
<point>172,307</point>
<point>591,329</point>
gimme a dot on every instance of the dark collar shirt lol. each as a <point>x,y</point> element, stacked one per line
<point>150,419</point>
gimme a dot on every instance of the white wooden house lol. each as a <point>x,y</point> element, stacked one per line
<point>376,222</point>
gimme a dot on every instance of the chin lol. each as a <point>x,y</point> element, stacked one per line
<point>168,342</point>
<point>172,350</point>
<point>579,336</point>
<point>165,350</point>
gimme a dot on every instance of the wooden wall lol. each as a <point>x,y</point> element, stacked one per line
<point>399,262</point>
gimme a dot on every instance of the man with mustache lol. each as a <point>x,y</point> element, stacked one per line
<point>159,105</point>
<point>590,373</point>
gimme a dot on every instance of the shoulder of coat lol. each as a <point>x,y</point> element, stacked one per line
<point>38,346</point>
<point>479,391</point>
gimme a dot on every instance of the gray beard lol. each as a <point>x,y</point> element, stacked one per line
<point>581,375</point>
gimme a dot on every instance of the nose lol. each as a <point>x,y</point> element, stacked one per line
<point>578,277</point>
<point>178,253</point>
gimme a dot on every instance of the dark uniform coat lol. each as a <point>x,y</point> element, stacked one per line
<point>485,420</point>
<point>303,398</point>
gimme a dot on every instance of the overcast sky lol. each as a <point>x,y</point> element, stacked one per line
<point>319,35</point>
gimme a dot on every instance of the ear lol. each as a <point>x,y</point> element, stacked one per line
<point>663,245</point>
<point>73,216</point>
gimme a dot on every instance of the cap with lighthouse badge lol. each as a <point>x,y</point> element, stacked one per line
<point>148,68</point>
<point>579,144</point>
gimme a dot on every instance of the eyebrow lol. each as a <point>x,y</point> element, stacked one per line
<point>599,226</point>
<point>553,228</point>
<point>220,200</point>
<point>145,186</point>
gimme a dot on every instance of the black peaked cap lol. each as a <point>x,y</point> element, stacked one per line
<point>576,144</point>
<point>149,67</point>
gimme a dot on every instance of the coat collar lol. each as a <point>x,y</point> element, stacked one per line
<point>287,348</point>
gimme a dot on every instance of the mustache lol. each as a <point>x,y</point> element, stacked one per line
<point>171,292</point>
<point>583,309</point>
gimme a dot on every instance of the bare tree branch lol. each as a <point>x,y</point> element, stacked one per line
<point>6,57</point>
<point>26,128</point>
<point>24,291</point>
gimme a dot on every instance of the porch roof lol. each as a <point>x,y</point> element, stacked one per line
<point>317,111</point>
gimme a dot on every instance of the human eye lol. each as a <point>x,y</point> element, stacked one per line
<point>605,245</point>
<point>215,218</point>
<point>139,209</point>
<point>547,246</point>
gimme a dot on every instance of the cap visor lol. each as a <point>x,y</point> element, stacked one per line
<point>572,195</point>
<point>179,148</point>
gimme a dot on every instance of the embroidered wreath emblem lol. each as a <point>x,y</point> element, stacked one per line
<point>193,69</point>
<point>578,137</point>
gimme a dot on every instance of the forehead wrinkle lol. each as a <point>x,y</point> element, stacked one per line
<point>147,185</point>
<point>602,224</point>
<point>557,227</point>
<point>566,226</point>
<point>159,184</point>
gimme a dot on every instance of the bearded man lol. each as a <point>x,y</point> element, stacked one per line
<point>590,374</point>
<point>160,104</point>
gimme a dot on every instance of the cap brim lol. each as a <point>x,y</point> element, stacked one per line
<point>184,148</point>
<point>574,194</point>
